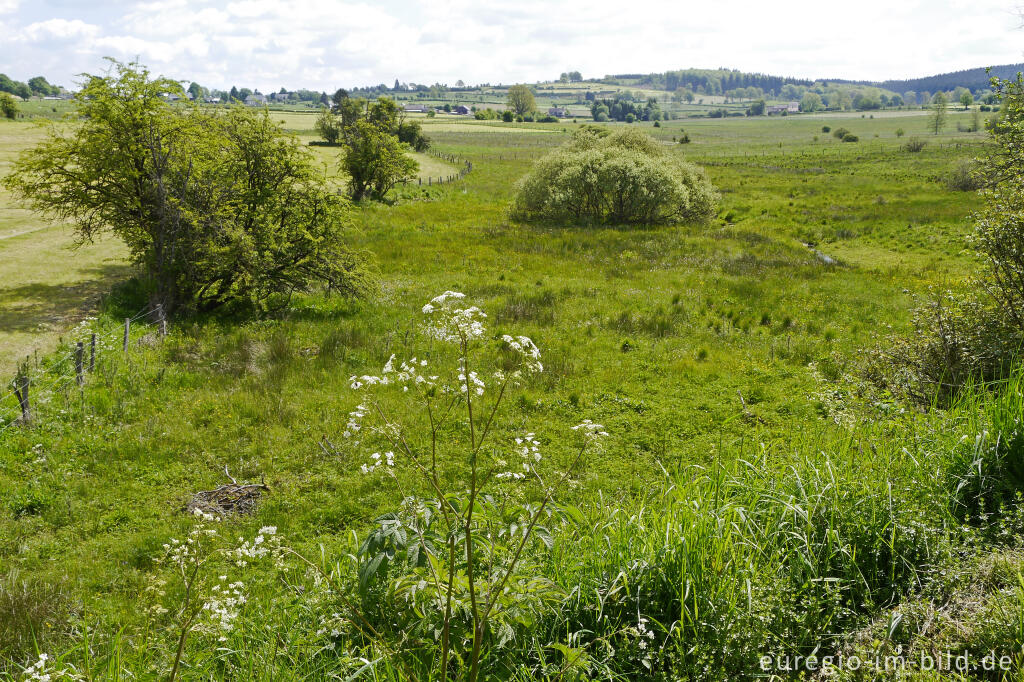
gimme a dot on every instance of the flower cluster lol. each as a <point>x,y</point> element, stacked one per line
<point>182,554</point>
<point>375,461</point>
<point>591,432</point>
<point>223,604</point>
<point>355,420</point>
<point>644,635</point>
<point>37,672</point>
<point>527,350</point>
<point>408,372</point>
<point>156,591</point>
<point>471,382</point>
<point>453,324</point>
<point>266,543</point>
<point>529,452</point>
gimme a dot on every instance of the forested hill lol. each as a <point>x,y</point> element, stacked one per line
<point>723,80</point>
<point>972,79</point>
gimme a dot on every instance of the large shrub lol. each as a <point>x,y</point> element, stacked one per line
<point>623,178</point>
<point>213,206</point>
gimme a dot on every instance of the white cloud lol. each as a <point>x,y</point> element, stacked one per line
<point>57,30</point>
<point>313,43</point>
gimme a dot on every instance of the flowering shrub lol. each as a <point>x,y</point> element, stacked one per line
<point>451,568</point>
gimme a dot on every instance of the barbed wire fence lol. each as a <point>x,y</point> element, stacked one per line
<point>36,383</point>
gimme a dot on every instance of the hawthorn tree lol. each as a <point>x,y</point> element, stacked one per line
<point>214,207</point>
<point>375,161</point>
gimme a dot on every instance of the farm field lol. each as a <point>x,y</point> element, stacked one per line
<point>718,357</point>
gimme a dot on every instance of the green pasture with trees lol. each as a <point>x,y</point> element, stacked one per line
<point>605,407</point>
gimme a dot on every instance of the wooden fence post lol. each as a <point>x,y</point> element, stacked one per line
<point>162,318</point>
<point>21,383</point>
<point>92,353</point>
<point>79,353</point>
<point>127,328</point>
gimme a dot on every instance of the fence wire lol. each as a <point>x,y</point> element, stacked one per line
<point>45,381</point>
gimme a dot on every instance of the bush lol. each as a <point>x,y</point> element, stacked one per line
<point>826,129</point>
<point>684,138</point>
<point>914,145</point>
<point>547,119</point>
<point>8,107</point>
<point>507,116</point>
<point>900,132</point>
<point>838,133</point>
<point>624,178</point>
<point>964,177</point>
<point>411,133</point>
<point>849,137</point>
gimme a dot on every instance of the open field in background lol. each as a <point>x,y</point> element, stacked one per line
<point>46,285</point>
<point>693,345</point>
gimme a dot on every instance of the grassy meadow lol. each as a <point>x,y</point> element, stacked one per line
<point>750,500</point>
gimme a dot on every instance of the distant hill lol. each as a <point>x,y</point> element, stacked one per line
<point>723,80</point>
<point>972,79</point>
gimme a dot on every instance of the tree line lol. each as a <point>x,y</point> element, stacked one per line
<point>37,86</point>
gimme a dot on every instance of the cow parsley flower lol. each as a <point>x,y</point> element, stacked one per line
<point>376,461</point>
<point>527,350</point>
<point>223,604</point>
<point>451,323</point>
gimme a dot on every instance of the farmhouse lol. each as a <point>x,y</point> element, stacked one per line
<point>461,109</point>
<point>791,108</point>
<point>415,108</point>
<point>281,96</point>
<point>559,112</point>
<point>255,100</point>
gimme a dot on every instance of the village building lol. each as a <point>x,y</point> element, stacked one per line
<point>791,108</point>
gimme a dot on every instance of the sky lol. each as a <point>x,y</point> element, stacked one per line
<point>323,45</point>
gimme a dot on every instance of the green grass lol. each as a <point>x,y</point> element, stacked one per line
<point>46,285</point>
<point>704,350</point>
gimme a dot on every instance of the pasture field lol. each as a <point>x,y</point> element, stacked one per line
<point>749,499</point>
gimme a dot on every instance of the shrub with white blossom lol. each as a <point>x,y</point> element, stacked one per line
<point>452,564</point>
